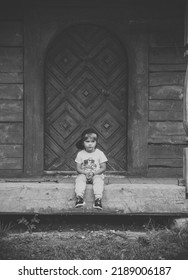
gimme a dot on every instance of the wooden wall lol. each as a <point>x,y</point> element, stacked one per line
<point>11,95</point>
<point>167,66</point>
<point>166,136</point>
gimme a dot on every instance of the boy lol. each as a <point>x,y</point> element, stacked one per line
<point>90,164</point>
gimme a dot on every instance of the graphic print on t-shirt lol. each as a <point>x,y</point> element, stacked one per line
<point>89,164</point>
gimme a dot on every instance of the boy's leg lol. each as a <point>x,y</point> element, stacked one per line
<point>80,185</point>
<point>98,186</point>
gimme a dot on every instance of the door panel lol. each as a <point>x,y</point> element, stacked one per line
<point>85,86</point>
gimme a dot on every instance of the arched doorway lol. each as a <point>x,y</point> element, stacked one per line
<point>86,77</point>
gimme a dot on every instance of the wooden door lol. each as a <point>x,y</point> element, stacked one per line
<point>85,86</point>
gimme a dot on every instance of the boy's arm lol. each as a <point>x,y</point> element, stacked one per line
<point>101,169</point>
<point>80,169</point>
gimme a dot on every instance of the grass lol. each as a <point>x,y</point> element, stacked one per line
<point>94,243</point>
<point>5,228</point>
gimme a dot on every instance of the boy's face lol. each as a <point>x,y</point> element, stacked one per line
<point>90,144</point>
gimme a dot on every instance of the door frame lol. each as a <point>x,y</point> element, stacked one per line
<point>40,29</point>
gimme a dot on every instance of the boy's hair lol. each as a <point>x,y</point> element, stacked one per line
<point>90,132</point>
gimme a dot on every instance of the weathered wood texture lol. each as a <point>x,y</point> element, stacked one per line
<point>11,111</point>
<point>166,136</point>
<point>40,31</point>
<point>34,94</point>
<point>185,101</point>
<point>11,96</point>
<point>50,198</point>
<point>161,69</point>
<point>138,103</point>
<point>185,167</point>
<point>87,96</point>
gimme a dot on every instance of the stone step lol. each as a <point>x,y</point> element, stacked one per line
<point>59,198</point>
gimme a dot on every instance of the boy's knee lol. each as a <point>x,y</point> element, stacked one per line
<point>98,178</point>
<point>81,177</point>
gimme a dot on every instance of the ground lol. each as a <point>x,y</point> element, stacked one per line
<point>91,237</point>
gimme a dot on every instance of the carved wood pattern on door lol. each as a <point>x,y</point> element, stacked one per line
<point>85,86</point>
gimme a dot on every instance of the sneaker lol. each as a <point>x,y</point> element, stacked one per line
<point>79,202</point>
<point>98,204</point>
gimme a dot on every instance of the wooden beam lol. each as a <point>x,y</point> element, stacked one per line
<point>138,102</point>
<point>33,99</point>
<point>185,102</point>
<point>118,199</point>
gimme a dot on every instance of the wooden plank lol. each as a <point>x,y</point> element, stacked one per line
<point>166,55</point>
<point>11,173</point>
<point>166,92</point>
<point>186,25</point>
<point>167,128</point>
<point>166,132</point>
<point>49,198</point>
<point>185,167</point>
<point>11,110</point>
<point>165,172</point>
<point>185,102</point>
<point>11,78</point>
<point>11,151</point>
<point>163,37</point>
<point>165,110</point>
<point>11,163</point>
<point>164,105</point>
<point>11,59</point>
<point>167,67</point>
<point>11,133</point>
<point>165,162</point>
<point>165,151</point>
<point>11,91</point>
<point>165,116</point>
<point>11,33</point>
<point>166,78</point>
<point>165,139</point>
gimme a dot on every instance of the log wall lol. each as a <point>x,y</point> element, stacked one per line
<point>166,72</point>
<point>11,95</point>
<point>166,137</point>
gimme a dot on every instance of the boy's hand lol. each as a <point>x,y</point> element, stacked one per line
<point>89,175</point>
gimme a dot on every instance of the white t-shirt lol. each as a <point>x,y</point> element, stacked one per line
<point>91,161</point>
